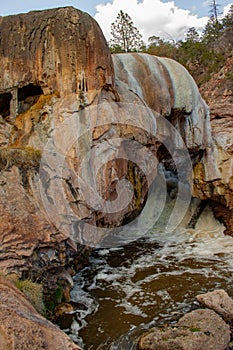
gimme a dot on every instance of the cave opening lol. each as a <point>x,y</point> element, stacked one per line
<point>5,102</point>
<point>27,96</point>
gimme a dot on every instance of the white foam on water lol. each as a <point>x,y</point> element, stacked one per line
<point>141,281</point>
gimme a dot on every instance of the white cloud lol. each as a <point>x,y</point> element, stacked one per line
<point>226,9</point>
<point>151,17</point>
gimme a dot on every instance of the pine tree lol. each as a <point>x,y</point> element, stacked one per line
<point>125,36</point>
<point>212,31</point>
<point>192,35</point>
<point>227,21</point>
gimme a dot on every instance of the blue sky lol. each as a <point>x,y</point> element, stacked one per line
<point>198,7</point>
<point>166,18</point>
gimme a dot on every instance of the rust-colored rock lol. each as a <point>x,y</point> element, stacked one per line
<point>53,62</point>
<point>59,50</point>
<point>23,328</point>
<point>216,183</point>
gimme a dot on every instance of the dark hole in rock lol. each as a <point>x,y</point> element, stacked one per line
<point>28,96</point>
<point>5,101</point>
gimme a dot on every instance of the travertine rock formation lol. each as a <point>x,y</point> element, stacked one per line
<point>53,63</point>
<point>23,328</point>
<point>64,65</point>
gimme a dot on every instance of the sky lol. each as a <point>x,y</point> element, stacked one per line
<point>169,19</point>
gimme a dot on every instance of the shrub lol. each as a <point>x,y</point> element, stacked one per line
<point>33,292</point>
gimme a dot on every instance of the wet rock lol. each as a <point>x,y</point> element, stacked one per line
<point>23,328</point>
<point>197,330</point>
<point>64,314</point>
<point>220,302</point>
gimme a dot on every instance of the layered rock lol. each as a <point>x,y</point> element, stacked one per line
<point>217,184</point>
<point>23,328</point>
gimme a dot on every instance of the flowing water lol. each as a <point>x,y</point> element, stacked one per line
<point>124,290</point>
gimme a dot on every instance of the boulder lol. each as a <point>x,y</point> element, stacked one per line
<point>220,302</point>
<point>197,330</point>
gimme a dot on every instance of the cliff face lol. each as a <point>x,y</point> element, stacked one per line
<point>79,150</point>
<point>61,50</point>
<point>53,63</point>
<point>218,93</point>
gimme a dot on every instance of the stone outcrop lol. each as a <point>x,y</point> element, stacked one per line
<point>60,50</point>
<point>46,133</point>
<point>216,184</point>
<point>199,329</point>
<point>53,62</point>
<point>23,328</point>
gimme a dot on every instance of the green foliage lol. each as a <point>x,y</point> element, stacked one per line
<point>125,36</point>
<point>227,21</point>
<point>160,47</point>
<point>212,31</point>
<point>198,53</point>
<point>33,292</point>
<point>116,49</point>
<point>55,299</point>
<point>192,35</point>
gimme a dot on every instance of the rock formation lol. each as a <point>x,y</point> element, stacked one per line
<point>199,329</point>
<point>47,56</point>
<point>218,185</point>
<point>81,138</point>
<point>220,302</point>
<point>62,106</point>
<point>23,328</point>
<point>45,52</point>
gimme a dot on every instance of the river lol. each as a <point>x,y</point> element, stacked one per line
<point>123,291</point>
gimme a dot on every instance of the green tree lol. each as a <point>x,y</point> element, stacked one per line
<point>212,30</point>
<point>125,36</point>
<point>192,35</point>
<point>227,21</point>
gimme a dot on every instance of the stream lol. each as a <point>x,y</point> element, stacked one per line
<point>123,291</point>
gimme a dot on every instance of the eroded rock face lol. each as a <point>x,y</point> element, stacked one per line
<point>216,183</point>
<point>54,62</point>
<point>60,50</point>
<point>23,328</point>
